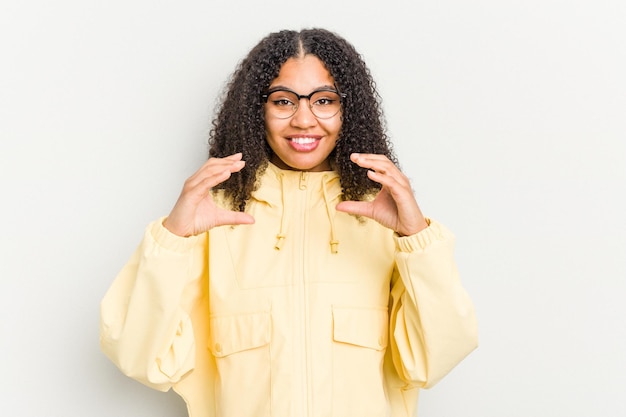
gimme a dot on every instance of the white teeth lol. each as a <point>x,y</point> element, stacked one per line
<point>303,141</point>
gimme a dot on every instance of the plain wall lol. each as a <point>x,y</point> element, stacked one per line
<point>509,117</point>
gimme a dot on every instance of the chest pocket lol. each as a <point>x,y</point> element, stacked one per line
<point>236,333</point>
<point>360,337</point>
<point>241,346</point>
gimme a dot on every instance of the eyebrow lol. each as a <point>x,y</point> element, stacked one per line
<point>284,87</point>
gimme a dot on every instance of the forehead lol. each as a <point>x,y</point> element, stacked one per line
<point>303,74</point>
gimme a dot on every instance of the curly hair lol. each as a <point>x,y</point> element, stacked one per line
<point>240,125</point>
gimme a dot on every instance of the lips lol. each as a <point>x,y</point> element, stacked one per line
<point>304,143</point>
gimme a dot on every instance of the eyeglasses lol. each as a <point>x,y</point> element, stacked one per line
<point>283,103</point>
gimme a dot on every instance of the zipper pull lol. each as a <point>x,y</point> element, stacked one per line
<point>303,178</point>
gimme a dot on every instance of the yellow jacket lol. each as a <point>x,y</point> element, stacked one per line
<point>307,313</point>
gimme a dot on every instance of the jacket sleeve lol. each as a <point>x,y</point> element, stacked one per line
<point>145,324</point>
<point>432,319</point>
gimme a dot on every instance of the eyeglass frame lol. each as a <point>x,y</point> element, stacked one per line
<point>342,96</point>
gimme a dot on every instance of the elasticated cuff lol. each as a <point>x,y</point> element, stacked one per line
<point>169,240</point>
<point>422,239</point>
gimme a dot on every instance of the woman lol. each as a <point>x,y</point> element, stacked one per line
<point>296,274</point>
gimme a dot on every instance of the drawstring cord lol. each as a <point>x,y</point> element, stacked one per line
<point>280,237</point>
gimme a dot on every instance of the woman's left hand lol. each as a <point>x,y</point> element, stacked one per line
<point>394,206</point>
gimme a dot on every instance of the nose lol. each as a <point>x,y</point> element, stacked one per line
<point>303,117</point>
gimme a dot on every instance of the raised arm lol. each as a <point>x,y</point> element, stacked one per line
<point>145,324</point>
<point>432,319</point>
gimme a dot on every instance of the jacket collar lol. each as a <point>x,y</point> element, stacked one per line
<point>276,182</point>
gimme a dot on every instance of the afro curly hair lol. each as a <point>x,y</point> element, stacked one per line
<point>240,126</point>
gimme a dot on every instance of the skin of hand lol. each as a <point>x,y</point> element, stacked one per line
<point>394,206</point>
<point>195,211</point>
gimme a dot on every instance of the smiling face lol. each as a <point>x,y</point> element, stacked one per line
<point>302,141</point>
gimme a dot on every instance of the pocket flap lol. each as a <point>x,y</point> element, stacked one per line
<point>236,333</point>
<point>365,326</point>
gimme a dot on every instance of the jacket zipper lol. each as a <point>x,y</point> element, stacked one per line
<point>303,185</point>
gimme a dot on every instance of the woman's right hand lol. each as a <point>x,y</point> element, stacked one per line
<point>195,211</point>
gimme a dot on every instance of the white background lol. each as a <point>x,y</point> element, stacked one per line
<point>509,117</point>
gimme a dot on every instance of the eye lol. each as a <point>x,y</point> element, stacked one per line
<point>323,102</point>
<point>281,102</point>
<point>282,99</point>
<point>325,99</point>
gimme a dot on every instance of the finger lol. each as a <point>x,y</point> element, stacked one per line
<point>385,179</point>
<point>359,208</point>
<point>370,156</point>
<point>367,160</point>
<point>397,189</point>
<point>196,189</point>
<point>217,163</point>
<point>400,193</point>
<point>380,164</point>
<point>216,167</point>
<point>204,185</point>
<point>213,162</point>
<point>228,217</point>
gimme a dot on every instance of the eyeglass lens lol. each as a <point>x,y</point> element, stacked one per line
<point>284,104</point>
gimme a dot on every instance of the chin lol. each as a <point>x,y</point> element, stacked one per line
<point>298,164</point>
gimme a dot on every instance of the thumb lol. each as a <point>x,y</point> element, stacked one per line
<point>360,208</point>
<point>227,217</point>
